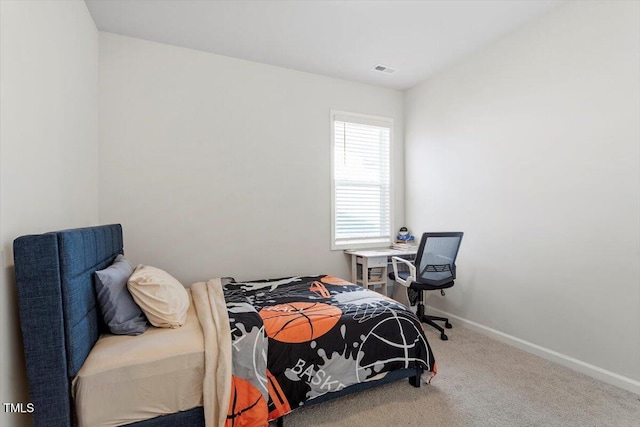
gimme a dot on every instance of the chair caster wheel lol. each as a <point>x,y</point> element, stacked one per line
<point>443,337</point>
<point>448,325</point>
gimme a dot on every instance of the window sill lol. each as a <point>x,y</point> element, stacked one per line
<point>357,246</point>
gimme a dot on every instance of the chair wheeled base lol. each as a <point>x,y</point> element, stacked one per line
<point>429,320</point>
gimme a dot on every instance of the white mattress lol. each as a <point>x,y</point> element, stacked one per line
<point>127,379</point>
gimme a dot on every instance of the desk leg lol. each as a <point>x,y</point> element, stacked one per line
<point>365,272</point>
<point>384,281</point>
<point>354,269</point>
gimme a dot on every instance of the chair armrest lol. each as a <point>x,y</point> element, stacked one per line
<point>412,271</point>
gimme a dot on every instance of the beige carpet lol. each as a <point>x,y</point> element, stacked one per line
<point>481,382</point>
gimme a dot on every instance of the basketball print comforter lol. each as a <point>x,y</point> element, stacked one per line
<point>298,338</point>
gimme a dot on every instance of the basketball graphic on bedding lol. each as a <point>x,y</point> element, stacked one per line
<point>319,289</point>
<point>298,322</point>
<point>332,280</point>
<point>278,399</point>
<point>398,335</point>
<point>247,407</point>
<point>295,339</point>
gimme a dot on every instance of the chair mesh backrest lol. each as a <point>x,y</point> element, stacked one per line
<point>436,257</point>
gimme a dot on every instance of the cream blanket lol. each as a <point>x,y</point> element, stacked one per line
<point>211,308</point>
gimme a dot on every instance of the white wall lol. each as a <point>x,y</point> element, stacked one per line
<point>532,148</point>
<point>218,166</point>
<point>48,146</point>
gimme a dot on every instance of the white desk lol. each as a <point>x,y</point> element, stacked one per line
<point>374,258</point>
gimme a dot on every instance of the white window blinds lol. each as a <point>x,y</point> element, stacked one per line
<point>361,182</point>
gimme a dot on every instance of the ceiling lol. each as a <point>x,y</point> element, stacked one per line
<point>343,39</point>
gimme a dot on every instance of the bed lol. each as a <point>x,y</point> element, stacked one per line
<point>62,332</point>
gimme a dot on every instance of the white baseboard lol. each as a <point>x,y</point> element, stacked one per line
<point>559,358</point>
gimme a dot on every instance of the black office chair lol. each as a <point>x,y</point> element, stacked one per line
<point>434,269</point>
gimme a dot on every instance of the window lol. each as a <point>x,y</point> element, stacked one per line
<point>361,181</point>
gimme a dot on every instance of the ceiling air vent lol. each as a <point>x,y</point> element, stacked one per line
<point>384,69</point>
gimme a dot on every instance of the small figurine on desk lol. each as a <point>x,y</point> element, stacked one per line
<point>404,240</point>
<point>404,236</point>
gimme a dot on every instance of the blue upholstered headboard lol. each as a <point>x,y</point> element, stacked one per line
<point>58,314</point>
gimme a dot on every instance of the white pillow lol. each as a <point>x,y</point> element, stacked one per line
<point>160,296</point>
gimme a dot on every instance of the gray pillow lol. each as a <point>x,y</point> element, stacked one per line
<point>120,313</point>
